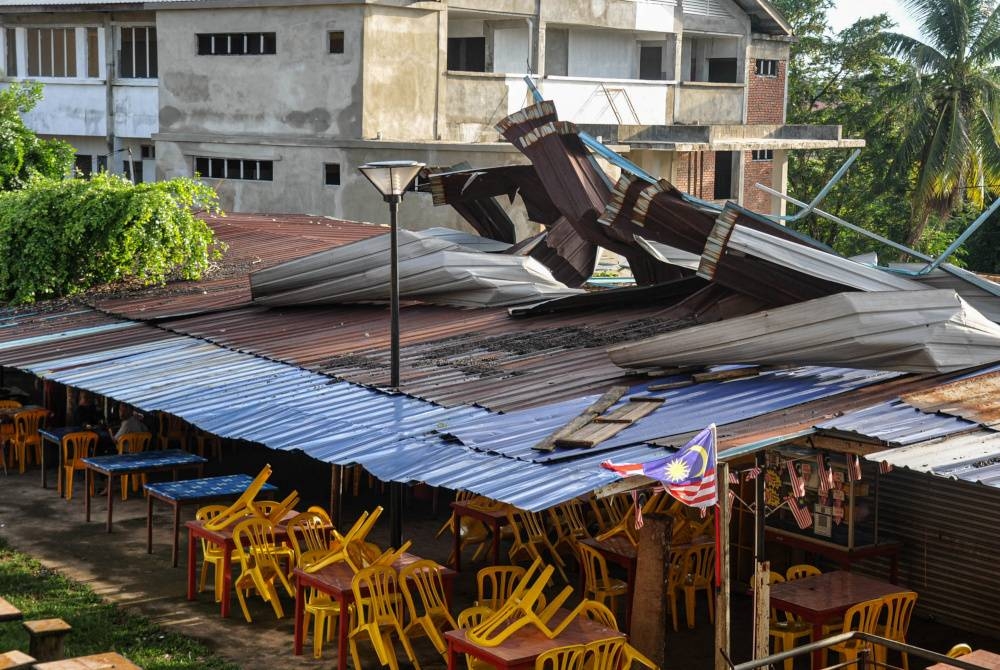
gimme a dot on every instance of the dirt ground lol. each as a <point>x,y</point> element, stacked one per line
<point>39,522</point>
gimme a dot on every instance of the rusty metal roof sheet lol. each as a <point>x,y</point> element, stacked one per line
<point>976,398</point>
<point>972,457</point>
<point>897,424</point>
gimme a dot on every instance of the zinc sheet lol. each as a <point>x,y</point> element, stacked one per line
<point>897,424</point>
<point>971,457</point>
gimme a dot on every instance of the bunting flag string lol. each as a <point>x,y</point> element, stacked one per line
<point>798,485</point>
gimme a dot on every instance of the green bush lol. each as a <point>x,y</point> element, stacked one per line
<point>22,152</point>
<point>59,236</point>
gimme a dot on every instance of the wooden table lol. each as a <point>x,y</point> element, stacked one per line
<point>519,651</point>
<point>842,556</point>
<point>495,518</point>
<point>139,463</point>
<point>823,598</point>
<point>203,490</point>
<point>106,661</point>
<point>980,657</point>
<point>335,580</point>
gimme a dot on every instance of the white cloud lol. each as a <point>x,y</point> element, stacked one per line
<point>846,12</point>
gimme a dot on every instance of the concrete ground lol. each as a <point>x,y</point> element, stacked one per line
<point>37,521</point>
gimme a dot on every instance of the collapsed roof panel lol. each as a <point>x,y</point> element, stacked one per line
<point>430,269</point>
<point>909,331</point>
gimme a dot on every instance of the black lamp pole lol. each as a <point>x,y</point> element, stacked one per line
<point>393,201</point>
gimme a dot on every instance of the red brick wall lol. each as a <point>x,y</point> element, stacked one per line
<point>766,95</point>
<point>695,173</point>
<point>755,172</point>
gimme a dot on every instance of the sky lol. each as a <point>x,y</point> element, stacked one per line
<point>846,12</point>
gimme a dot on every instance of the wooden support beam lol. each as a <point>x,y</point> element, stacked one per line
<point>601,405</point>
<point>649,629</point>
<point>723,651</point>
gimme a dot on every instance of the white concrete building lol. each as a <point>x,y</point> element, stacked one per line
<point>277,104</point>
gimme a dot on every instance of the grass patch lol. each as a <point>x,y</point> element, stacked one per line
<point>98,626</point>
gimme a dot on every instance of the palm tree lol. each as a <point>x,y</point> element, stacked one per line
<point>948,109</point>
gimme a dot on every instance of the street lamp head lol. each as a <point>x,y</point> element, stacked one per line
<point>391,177</point>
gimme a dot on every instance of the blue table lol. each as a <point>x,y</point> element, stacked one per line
<point>55,436</point>
<point>206,489</point>
<point>139,463</point>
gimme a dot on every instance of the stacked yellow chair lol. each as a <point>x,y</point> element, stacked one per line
<point>494,584</point>
<point>377,616</point>
<point>426,602</point>
<point>260,568</point>
<point>530,538</point>
<point>569,524</point>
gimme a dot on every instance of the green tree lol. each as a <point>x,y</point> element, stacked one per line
<point>947,107</point>
<point>22,152</point>
<point>62,236</point>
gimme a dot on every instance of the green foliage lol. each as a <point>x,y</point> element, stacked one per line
<point>62,236</point>
<point>97,625</point>
<point>22,152</point>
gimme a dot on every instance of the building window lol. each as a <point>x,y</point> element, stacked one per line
<point>237,44</point>
<point>93,57</point>
<point>467,54</point>
<point>234,168</point>
<point>51,52</point>
<point>137,56</point>
<point>331,174</point>
<point>84,165</point>
<point>127,170</point>
<point>10,42</point>
<point>762,154</point>
<point>147,151</point>
<point>766,68</point>
<point>336,40</point>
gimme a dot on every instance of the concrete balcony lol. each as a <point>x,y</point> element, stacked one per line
<point>710,103</point>
<point>80,108</point>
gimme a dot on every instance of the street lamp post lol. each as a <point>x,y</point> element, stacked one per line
<point>391,178</point>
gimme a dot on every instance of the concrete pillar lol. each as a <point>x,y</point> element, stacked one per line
<point>779,181</point>
<point>537,37</point>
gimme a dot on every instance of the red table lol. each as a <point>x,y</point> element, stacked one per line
<point>823,598</point>
<point>494,517</point>
<point>519,651</point>
<point>980,657</point>
<point>335,580</point>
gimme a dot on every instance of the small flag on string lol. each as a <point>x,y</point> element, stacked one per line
<point>734,478</point>
<point>853,468</point>
<point>753,473</point>
<point>798,486</point>
<point>638,509</point>
<point>823,474</point>
<point>885,467</point>
<point>802,515</point>
<point>731,500</point>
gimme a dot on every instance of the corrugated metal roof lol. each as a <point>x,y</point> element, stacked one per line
<point>976,398</point>
<point>896,423</point>
<point>973,457</point>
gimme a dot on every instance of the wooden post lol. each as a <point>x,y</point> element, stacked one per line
<point>70,405</point>
<point>336,486</point>
<point>722,587</point>
<point>649,597</point>
<point>45,638</point>
<point>761,608</point>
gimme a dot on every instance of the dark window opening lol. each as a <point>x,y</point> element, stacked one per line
<point>234,168</point>
<point>147,151</point>
<point>237,44</point>
<point>762,154</point>
<point>135,178</point>
<point>723,175</point>
<point>336,41</point>
<point>84,164</point>
<point>651,63</point>
<point>467,54</point>
<point>137,56</point>
<point>722,70</point>
<point>766,68</point>
<point>11,45</point>
<point>331,174</point>
<point>102,163</point>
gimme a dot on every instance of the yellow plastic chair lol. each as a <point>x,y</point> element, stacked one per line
<point>495,583</point>
<point>599,613</point>
<point>27,441</point>
<point>569,524</point>
<point>7,433</point>
<point>468,618</point>
<point>132,443</point>
<point>321,513</point>
<point>377,616</point>
<point>172,429</point>
<point>255,546</point>
<point>307,531</point>
<point>426,602</point>
<point>274,510</point>
<point>862,617</point>
<point>530,538</point>
<point>239,509</point>
<point>606,654</point>
<point>697,574</point>
<point>352,541</point>
<point>960,649</point>
<point>319,606</point>
<point>785,629</point>
<point>569,657</point>
<point>10,404</point>
<point>449,525</point>
<point>211,553</point>
<point>625,526</point>
<point>801,571</point>
<point>898,611</point>
<point>598,583</point>
<point>76,446</point>
<point>472,532</point>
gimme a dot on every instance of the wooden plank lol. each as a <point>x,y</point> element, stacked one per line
<point>601,405</point>
<point>605,427</point>
<point>670,385</point>
<point>723,375</point>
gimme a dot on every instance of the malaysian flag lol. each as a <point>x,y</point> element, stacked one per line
<point>798,486</point>
<point>638,510</point>
<point>753,473</point>
<point>688,475</point>
<point>885,467</point>
<point>734,478</point>
<point>802,515</point>
<point>824,475</point>
<point>853,467</point>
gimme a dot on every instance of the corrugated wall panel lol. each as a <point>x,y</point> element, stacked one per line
<point>950,546</point>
